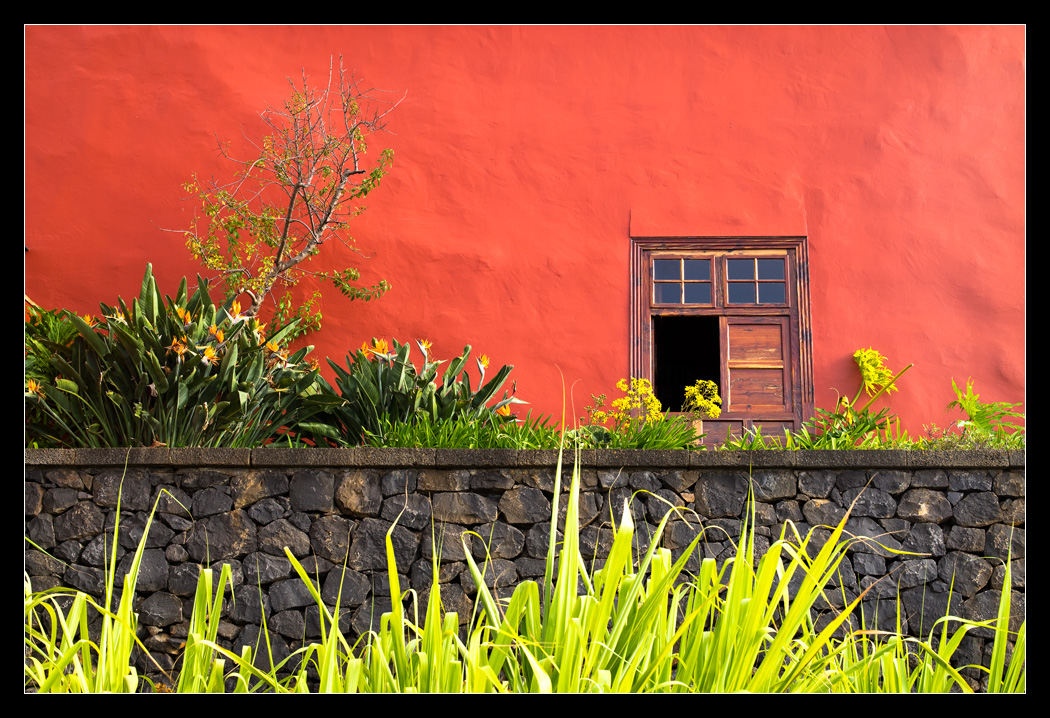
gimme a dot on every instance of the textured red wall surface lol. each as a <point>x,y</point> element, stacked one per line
<point>525,158</point>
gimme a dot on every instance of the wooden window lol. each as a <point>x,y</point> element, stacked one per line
<point>734,310</point>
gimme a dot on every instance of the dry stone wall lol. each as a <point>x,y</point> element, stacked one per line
<point>933,529</point>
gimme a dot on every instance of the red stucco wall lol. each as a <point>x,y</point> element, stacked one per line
<point>526,157</point>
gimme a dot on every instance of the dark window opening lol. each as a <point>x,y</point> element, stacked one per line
<point>685,349</point>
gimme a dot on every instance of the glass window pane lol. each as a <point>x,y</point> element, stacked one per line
<point>741,293</point>
<point>698,293</point>
<point>772,293</point>
<point>668,293</point>
<point>667,269</point>
<point>771,269</point>
<point>741,268</point>
<point>698,269</point>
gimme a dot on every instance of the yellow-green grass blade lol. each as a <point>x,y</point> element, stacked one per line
<point>815,576</point>
<point>1014,678</point>
<point>197,672</point>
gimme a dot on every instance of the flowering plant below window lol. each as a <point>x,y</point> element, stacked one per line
<point>849,425</point>
<point>702,400</point>
<point>640,404</point>
<point>638,422</point>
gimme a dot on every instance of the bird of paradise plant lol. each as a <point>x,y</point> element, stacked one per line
<point>168,371</point>
<point>381,387</point>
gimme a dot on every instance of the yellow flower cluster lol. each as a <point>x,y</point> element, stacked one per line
<point>640,401</point>
<point>873,370</point>
<point>702,400</point>
<point>640,404</point>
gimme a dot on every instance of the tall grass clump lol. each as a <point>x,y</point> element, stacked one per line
<point>647,627</point>
<point>637,623</point>
<point>62,656</point>
<point>463,432</point>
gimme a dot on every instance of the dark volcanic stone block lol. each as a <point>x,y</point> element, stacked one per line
<point>924,505</point>
<point>313,490</point>
<point>524,505</point>
<point>721,493</point>
<point>228,535</point>
<point>467,509</point>
<point>980,509</point>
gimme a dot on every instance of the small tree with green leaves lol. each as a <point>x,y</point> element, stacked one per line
<point>299,193</point>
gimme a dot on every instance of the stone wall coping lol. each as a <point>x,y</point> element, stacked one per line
<point>510,458</point>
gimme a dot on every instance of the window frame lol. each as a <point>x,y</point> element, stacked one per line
<point>793,315</point>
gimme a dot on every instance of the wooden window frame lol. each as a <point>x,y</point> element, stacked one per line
<point>793,316</point>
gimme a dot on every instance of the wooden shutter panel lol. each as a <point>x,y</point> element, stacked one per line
<point>758,366</point>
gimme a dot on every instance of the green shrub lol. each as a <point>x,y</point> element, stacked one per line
<point>46,332</point>
<point>491,432</point>
<point>987,422</point>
